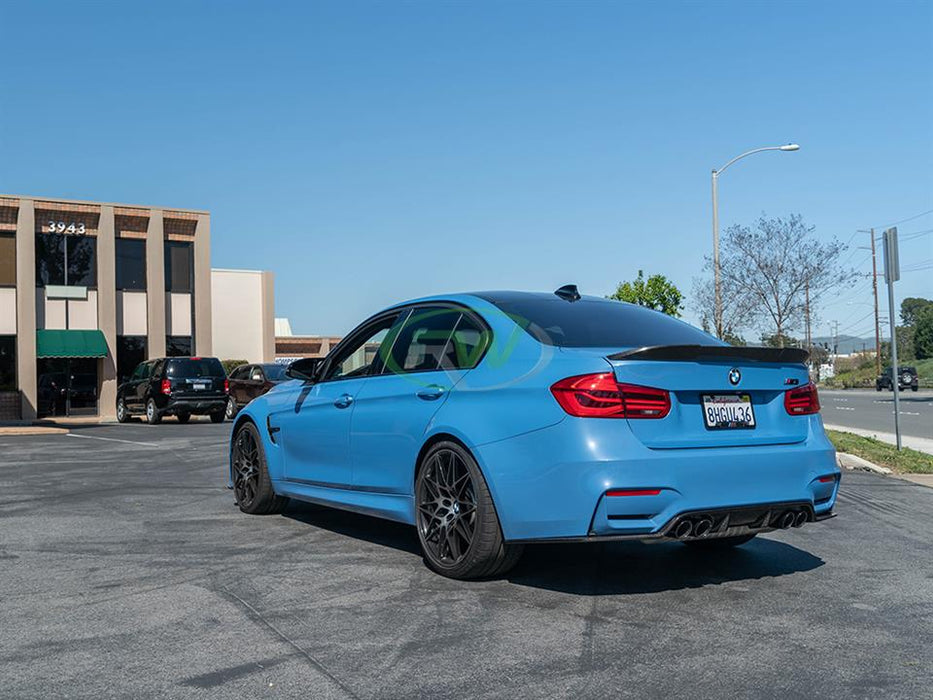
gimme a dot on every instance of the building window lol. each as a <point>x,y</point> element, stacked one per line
<point>179,264</point>
<point>131,264</point>
<point>7,260</point>
<point>68,260</point>
<point>7,362</point>
<point>131,351</point>
<point>178,346</point>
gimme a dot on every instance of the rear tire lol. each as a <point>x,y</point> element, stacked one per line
<point>153,417</point>
<point>456,519</point>
<point>217,417</point>
<point>122,414</point>
<point>183,417</point>
<point>231,409</point>
<point>252,487</point>
<point>720,542</point>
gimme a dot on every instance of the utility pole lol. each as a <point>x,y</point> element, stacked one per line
<point>892,273</point>
<point>874,284</point>
<point>835,343</point>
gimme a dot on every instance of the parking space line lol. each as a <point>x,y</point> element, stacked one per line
<point>126,442</point>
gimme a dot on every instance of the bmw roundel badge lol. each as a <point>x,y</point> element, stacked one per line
<point>735,376</point>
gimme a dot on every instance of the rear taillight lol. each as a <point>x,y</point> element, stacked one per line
<point>226,386</point>
<point>166,387</point>
<point>802,401</point>
<point>601,396</point>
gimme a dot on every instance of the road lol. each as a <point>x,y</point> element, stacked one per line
<point>872,410</point>
<point>126,571</point>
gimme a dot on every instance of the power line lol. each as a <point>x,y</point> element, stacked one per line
<point>904,221</point>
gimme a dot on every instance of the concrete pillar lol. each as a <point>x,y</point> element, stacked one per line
<point>268,316</point>
<point>26,307</point>
<point>202,286</point>
<point>155,284</point>
<point>107,309</point>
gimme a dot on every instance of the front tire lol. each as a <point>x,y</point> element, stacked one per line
<point>252,486</point>
<point>122,414</point>
<point>456,519</point>
<point>153,417</point>
<point>720,542</point>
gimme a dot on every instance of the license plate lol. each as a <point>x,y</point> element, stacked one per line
<point>199,386</point>
<point>728,411</point>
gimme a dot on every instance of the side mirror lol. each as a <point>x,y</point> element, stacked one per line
<point>305,369</point>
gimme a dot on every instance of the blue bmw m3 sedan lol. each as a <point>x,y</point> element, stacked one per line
<point>494,419</point>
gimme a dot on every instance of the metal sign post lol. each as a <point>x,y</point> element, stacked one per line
<point>892,273</point>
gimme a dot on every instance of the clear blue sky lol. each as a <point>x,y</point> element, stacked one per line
<point>372,152</point>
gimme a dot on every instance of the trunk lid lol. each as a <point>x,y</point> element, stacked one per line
<point>691,372</point>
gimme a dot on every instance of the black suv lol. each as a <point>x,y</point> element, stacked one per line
<point>906,379</point>
<point>179,386</point>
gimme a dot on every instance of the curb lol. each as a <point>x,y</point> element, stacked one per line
<point>31,430</point>
<point>847,461</point>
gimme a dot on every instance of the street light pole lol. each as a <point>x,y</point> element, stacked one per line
<point>715,186</point>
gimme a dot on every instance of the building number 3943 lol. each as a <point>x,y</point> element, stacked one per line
<point>62,227</point>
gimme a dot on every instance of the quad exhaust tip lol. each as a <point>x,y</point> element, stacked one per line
<point>684,529</point>
<point>703,527</point>
<point>800,519</point>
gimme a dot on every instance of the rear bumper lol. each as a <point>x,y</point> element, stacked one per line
<point>198,406</point>
<point>551,484</point>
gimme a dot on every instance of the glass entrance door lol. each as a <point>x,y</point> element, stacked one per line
<point>67,386</point>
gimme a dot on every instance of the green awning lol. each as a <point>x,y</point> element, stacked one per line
<point>70,344</point>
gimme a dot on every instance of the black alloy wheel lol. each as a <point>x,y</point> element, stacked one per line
<point>251,485</point>
<point>457,523</point>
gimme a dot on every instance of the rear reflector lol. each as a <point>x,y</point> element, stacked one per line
<point>633,492</point>
<point>802,401</point>
<point>827,479</point>
<point>601,396</point>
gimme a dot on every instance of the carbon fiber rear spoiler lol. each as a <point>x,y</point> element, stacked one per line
<point>784,356</point>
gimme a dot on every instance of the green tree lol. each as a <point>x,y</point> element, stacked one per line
<point>775,340</point>
<point>912,308</point>
<point>657,292</point>
<point>923,334</point>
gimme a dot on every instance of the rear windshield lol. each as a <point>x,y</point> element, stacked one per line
<point>596,323</point>
<point>191,368</point>
<point>274,373</point>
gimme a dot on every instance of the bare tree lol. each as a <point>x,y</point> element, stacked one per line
<point>738,309</point>
<point>766,269</point>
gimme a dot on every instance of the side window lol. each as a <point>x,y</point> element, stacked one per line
<point>423,340</point>
<point>356,358</point>
<point>467,344</point>
<point>240,372</point>
<point>256,375</point>
<point>140,371</point>
<point>156,369</point>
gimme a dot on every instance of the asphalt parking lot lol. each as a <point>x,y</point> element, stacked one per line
<point>126,571</point>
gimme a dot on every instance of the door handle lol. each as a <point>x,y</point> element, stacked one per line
<point>343,401</point>
<point>431,393</point>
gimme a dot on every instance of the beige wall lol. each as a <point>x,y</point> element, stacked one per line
<point>106,315</point>
<point>203,292</point>
<point>26,307</point>
<point>177,314</point>
<point>155,284</point>
<point>131,313</point>
<point>243,315</point>
<point>7,311</point>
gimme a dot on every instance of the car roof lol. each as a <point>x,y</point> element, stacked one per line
<point>494,297</point>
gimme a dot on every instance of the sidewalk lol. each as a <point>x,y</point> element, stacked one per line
<point>915,443</point>
<point>51,426</point>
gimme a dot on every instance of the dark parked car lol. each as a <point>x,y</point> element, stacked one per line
<point>906,379</point>
<point>179,386</point>
<point>248,382</point>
